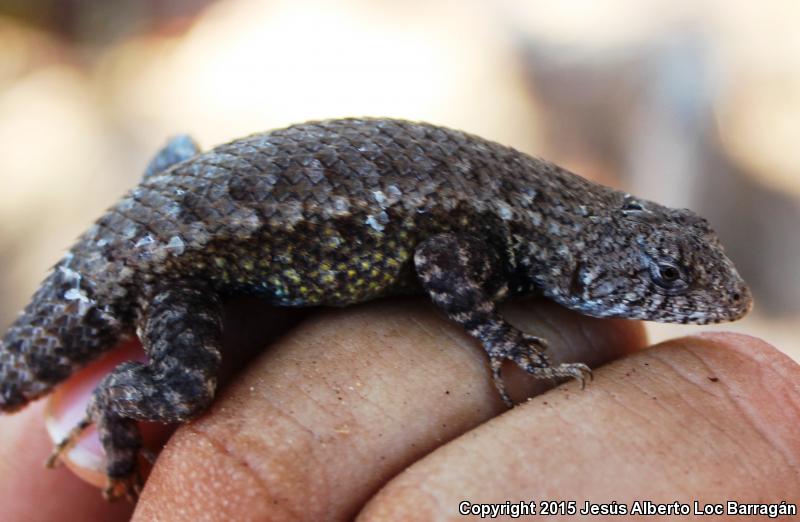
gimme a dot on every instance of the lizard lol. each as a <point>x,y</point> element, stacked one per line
<point>337,212</point>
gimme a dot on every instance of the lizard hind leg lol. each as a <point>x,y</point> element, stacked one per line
<point>180,329</point>
<point>465,277</point>
<point>178,148</point>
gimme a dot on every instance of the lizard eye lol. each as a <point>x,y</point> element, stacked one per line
<point>670,276</point>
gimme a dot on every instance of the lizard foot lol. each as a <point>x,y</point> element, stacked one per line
<point>128,487</point>
<point>528,354</point>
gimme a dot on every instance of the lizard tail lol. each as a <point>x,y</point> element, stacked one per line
<point>61,330</point>
<point>23,355</point>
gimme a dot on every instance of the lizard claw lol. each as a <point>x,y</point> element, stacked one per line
<point>497,363</point>
<point>578,371</point>
<point>55,456</point>
<point>128,487</point>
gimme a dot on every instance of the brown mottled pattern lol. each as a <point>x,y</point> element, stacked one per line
<point>337,212</point>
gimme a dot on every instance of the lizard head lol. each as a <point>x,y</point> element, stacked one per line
<point>60,330</point>
<point>650,262</point>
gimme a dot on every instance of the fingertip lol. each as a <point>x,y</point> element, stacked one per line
<point>760,380</point>
<point>753,348</point>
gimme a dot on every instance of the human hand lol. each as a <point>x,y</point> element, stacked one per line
<point>340,406</point>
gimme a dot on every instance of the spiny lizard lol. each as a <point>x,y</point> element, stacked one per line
<point>333,213</point>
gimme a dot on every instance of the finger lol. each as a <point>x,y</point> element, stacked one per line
<point>709,418</point>
<point>28,491</point>
<point>343,403</point>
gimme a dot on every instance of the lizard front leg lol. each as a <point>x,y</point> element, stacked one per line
<point>466,277</point>
<point>180,329</point>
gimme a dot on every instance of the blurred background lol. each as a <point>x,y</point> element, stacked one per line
<point>690,103</point>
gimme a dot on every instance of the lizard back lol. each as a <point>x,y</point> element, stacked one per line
<point>324,212</point>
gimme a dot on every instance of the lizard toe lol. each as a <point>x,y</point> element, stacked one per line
<point>128,487</point>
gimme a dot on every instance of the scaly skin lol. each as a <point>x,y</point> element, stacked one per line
<point>338,212</point>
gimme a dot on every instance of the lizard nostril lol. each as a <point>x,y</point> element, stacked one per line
<point>737,296</point>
